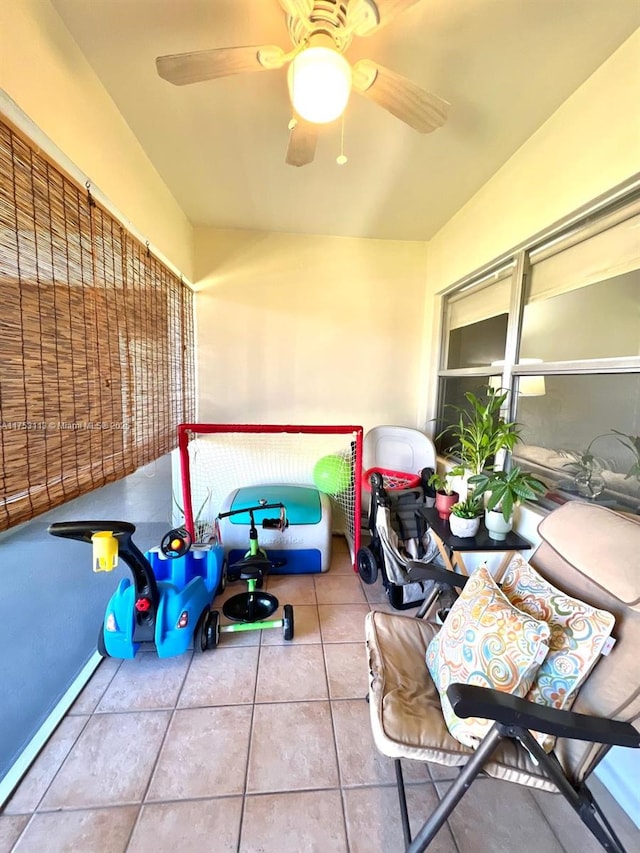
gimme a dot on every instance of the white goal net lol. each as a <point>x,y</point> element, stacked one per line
<point>217,459</point>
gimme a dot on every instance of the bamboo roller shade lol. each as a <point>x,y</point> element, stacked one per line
<point>96,341</point>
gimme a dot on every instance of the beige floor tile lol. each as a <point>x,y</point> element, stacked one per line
<point>291,673</point>
<point>374,824</point>
<point>306,628</point>
<point>441,772</point>
<point>234,640</point>
<point>204,754</point>
<point>375,593</point>
<point>91,831</point>
<point>301,822</point>
<point>188,827</point>
<point>222,676</point>
<point>573,834</point>
<point>341,562</point>
<point>347,670</point>
<point>292,748</point>
<point>145,683</point>
<point>111,761</point>
<point>292,589</point>
<point>359,760</point>
<point>339,544</point>
<point>339,589</point>
<point>342,623</point>
<point>34,785</point>
<point>10,828</point>
<point>88,700</point>
<point>386,607</point>
<point>500,817</point>
<point>343,565</point>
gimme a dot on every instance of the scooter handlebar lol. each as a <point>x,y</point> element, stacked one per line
<point>84,530</point>
<point>251,509</point>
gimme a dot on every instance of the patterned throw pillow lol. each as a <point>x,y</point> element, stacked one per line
<point>485,640</point>
<point>578,633</point>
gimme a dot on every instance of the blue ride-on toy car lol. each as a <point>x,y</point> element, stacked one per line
<point>168,602</point>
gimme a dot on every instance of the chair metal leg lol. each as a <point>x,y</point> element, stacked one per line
<point>402,797</point>
<point>457,790</point>
<point>580,799</point>
<point>428,603</point>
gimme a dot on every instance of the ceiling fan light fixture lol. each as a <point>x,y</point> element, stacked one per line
<point>319,81</point>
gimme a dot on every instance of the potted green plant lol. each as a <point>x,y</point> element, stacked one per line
<point>204,528</point>
<point>464,520</point>
<point>504,490</point>
<point>480,432</point>
<point>445,496</point>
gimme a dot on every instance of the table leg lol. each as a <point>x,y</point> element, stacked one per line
<point>459,562</point>
<point>444,552</point>
<point>502,568</point>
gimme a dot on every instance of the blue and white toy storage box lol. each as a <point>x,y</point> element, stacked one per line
<point>305,544</point>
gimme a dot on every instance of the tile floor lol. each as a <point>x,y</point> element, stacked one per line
<point>259,746</point>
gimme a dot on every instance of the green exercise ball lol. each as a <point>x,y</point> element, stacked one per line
<point>332,474</point>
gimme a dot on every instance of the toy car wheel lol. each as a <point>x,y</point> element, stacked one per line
<point>102,649</point>
<point>367,565</point>
<point>212,629</point>
<point>223,579</point>
<point>287,622</point>
<point>202,636</point>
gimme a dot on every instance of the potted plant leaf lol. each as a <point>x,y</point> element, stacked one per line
<point>586,470</point>
<point>464,520</point>
<point>632,443</point>
<point>504,490</point>
<point>445,496</point>
<point>204,528</point>
<point>480,432</point>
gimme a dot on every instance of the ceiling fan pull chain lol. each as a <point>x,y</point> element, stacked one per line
<point>341,159</point>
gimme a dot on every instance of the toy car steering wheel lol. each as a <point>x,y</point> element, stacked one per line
<point>176,543</point>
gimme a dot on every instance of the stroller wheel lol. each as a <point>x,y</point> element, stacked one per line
<point>367,565</point>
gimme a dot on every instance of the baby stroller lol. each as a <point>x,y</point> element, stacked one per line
<point>399,533</point>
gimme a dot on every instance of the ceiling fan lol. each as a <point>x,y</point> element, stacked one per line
<point>320,78</point>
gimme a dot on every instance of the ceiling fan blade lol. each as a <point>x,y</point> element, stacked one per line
<point>183,68</point>
<point>381,12</point>
<point>302,143</point>
<point>297,8</point>
<point>401,97</point>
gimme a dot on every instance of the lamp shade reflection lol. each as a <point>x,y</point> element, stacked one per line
<point>529,385</point>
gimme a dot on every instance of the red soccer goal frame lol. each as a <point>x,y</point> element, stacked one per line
<point>186,430</point>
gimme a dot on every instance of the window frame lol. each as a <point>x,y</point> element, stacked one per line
<point>615,207</point>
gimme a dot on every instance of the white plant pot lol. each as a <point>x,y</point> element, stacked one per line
<point>463,527</point>
<point>496,525</point>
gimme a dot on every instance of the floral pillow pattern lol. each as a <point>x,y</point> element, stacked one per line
<point>485,640</point>
<point>578,634</point>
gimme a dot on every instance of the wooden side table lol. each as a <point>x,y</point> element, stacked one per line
<point>453,548</point>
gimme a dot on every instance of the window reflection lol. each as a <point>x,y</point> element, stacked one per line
<point>478,344</point>
<point>600,320</point>
<point>581,436</point>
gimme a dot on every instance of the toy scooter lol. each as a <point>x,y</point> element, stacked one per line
<point>250,610</point>
<point>168,603</point>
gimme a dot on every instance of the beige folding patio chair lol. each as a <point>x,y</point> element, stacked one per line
<point>589,553</point>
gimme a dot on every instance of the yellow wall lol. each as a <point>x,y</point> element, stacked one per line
<point>299,329</point>
<point>44,73</point>
<point>587,147</point>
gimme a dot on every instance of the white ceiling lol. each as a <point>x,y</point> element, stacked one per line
<point>504,65</point>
